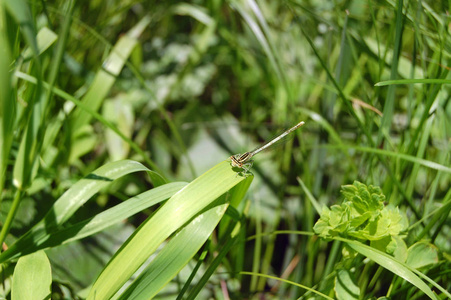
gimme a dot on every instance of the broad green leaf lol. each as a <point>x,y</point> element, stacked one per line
<point>156,178</point>
<point>122,211</point>
<point>81,261</point>
<point>228,235</point>
<point>386,244</point>
<point>178,210</point>
<point>396,221</point>
<point>32,278</point>
<point>390,222</point>
<point>422,254</point>
<point>234,212</point>
<point>400,253</point>
<point>345,288</point>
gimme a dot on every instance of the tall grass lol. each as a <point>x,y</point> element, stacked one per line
<point>92,94</point>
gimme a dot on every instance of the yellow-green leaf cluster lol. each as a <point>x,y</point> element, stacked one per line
<point>362,215</point>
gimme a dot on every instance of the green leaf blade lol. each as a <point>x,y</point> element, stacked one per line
<point>178,210</point>
<point>175,255</point>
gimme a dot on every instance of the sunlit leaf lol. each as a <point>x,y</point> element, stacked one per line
<point>32,278</point>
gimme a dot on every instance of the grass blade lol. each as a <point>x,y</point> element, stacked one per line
<point>7,103</point>
<point>287,281</point>
<point>414,81</point>
<point>41,238</point>
<point>71,201</point>
<point>106,76</point>
<point>262,34</point>
<point>393,265</point>
<point>21,13</point>
<point>413,159</point>
<point>94,114</point>
<point>389,105</point>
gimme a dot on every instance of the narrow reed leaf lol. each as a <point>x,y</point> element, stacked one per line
<point>94,114</point>
<point>7,106</point>
<point>25,166</point>
<point>22,15</point>
<point>40,238</point>
<point>106,75</point>
<point>339,90</point>
<point>389,104</point>
<point>84,189</point>
<point>414,81</point>
<point>70,202</point>
<point>310,196</point>
<point>288,282</point>
<point>420,161</point>
<point>195,11</point>
<point>261,33</point>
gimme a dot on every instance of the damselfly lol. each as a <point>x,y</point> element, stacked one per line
<point>244,161</point>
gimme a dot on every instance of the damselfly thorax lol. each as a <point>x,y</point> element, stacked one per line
<point>244,161</point>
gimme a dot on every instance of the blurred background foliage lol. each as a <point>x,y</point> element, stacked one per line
<point>189,84</point>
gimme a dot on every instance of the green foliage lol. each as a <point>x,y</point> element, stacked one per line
<point>176,212</point>
<point>110,111</point>
<point>362,215</point>
<point>421,255</point>
<point>51,231</point>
